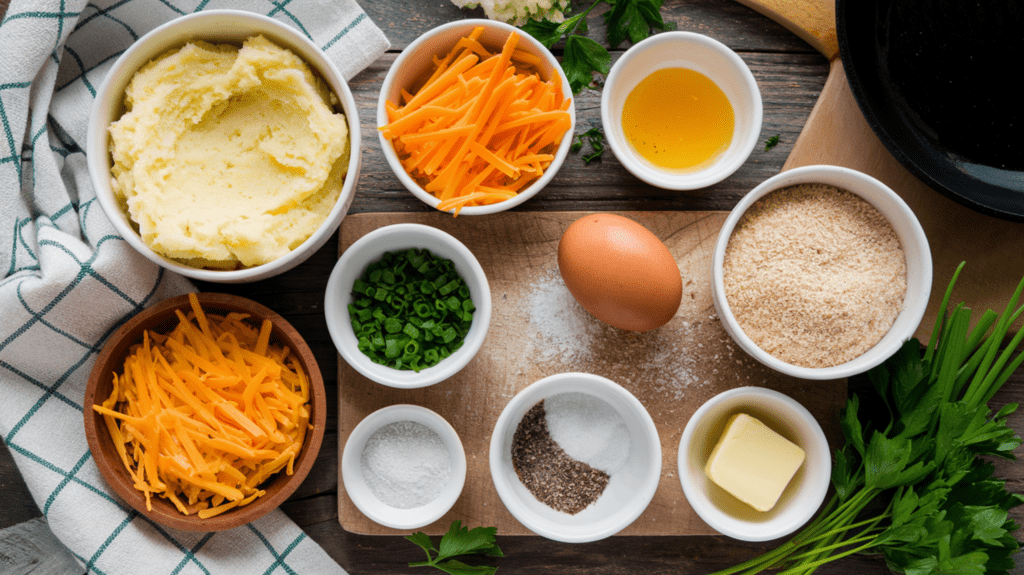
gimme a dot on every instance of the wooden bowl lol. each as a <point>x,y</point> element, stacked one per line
<point>161,318</point>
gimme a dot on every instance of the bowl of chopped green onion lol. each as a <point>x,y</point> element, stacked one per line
<point>408,305</point>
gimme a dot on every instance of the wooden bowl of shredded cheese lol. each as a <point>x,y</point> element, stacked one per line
<point>205,412</point>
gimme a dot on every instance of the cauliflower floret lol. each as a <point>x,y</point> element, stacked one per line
<point>517,12</point>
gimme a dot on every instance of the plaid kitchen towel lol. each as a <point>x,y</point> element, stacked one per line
<point>67,280</point>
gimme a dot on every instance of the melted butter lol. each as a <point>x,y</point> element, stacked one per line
<point>678,119</point>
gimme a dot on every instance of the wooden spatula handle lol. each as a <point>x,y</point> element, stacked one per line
<point>814,21</point>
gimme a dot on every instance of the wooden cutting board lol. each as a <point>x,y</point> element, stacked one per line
<point>837,133</point>
<point>538,329</point>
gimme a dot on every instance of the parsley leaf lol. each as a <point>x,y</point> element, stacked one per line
<point>634,19</point>
<point>582,58</point>
<point>594,137</point>
<point>544,31</point>
<point>454,567</point>
<point>456,542</point>
<point>771,143</point>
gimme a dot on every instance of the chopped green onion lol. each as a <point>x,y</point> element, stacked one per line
<point>410,310</point>
<point>430,356</point>
<point>392,325</point>
<point>411,331</point>
<point>422,309</point>
<point>449,287</point>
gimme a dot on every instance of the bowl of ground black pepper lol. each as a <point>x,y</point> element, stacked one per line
<point>575,457</point>
<point>821,272</point>
<point>403,466</point>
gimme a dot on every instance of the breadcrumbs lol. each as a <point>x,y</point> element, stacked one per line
<point>814,275</point>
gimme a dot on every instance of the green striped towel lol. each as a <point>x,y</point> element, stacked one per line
<point>67,280</point>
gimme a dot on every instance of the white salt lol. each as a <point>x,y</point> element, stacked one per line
<point>588,430</point>
<point>406,464</point>
<point>661,361</point>
<point>566,329</point>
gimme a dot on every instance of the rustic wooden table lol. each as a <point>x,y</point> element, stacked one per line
<point>790,75</point>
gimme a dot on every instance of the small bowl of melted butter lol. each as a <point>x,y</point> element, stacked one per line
<point>681,111</point>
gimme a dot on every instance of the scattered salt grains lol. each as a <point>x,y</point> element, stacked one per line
<point>662,360</point>
<point>405,464</point>
<point>566,328</point>
<point>588,430</point>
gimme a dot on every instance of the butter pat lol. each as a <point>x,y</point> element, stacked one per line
<point>752,462</point>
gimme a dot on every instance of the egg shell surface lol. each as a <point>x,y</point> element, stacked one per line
<point>620,272</point>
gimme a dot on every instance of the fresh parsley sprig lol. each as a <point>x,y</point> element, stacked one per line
<point>583,56</point>
<point>911,482</point>
<point>458,541</point>
<point>634,19</point>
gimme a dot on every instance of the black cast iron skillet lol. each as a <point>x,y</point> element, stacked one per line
<point>941,83</point>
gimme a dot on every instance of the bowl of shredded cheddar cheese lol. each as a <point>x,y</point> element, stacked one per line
<point>205,412</point>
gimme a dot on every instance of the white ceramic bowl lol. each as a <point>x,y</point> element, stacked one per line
<point>723,512</point>
<point>221,26</point>
<point>701,54</point>
<point>909,232</point>
<point>630,489</point>
<point>361,494</point>
<point>414,65</point>
<point>369,249</point>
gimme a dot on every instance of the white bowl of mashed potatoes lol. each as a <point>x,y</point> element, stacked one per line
<point>224,146</point>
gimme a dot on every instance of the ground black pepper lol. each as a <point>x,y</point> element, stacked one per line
<point>556,479</point>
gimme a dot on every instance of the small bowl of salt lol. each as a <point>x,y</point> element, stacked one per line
<point>575,457</point>
<point>403,466</point>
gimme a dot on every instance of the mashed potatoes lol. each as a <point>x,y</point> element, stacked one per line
<point>228,157</point>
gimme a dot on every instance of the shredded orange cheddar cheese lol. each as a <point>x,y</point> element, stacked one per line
<point>202,416</point>
<point>482,127</point>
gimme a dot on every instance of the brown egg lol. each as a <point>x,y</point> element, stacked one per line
<point>620,272</point>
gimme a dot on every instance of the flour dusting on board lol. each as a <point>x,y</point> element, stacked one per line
<point>663,362</point>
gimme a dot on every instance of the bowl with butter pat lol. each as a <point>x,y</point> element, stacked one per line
<point>754,464</point>
<point>224,146</point>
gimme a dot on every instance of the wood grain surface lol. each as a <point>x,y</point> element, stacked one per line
<point>537,330</point>
<point>790,74</point>
<point>31,547</point>
<point>812,20</point>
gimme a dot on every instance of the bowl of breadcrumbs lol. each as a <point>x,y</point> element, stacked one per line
<point>821,272</point>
